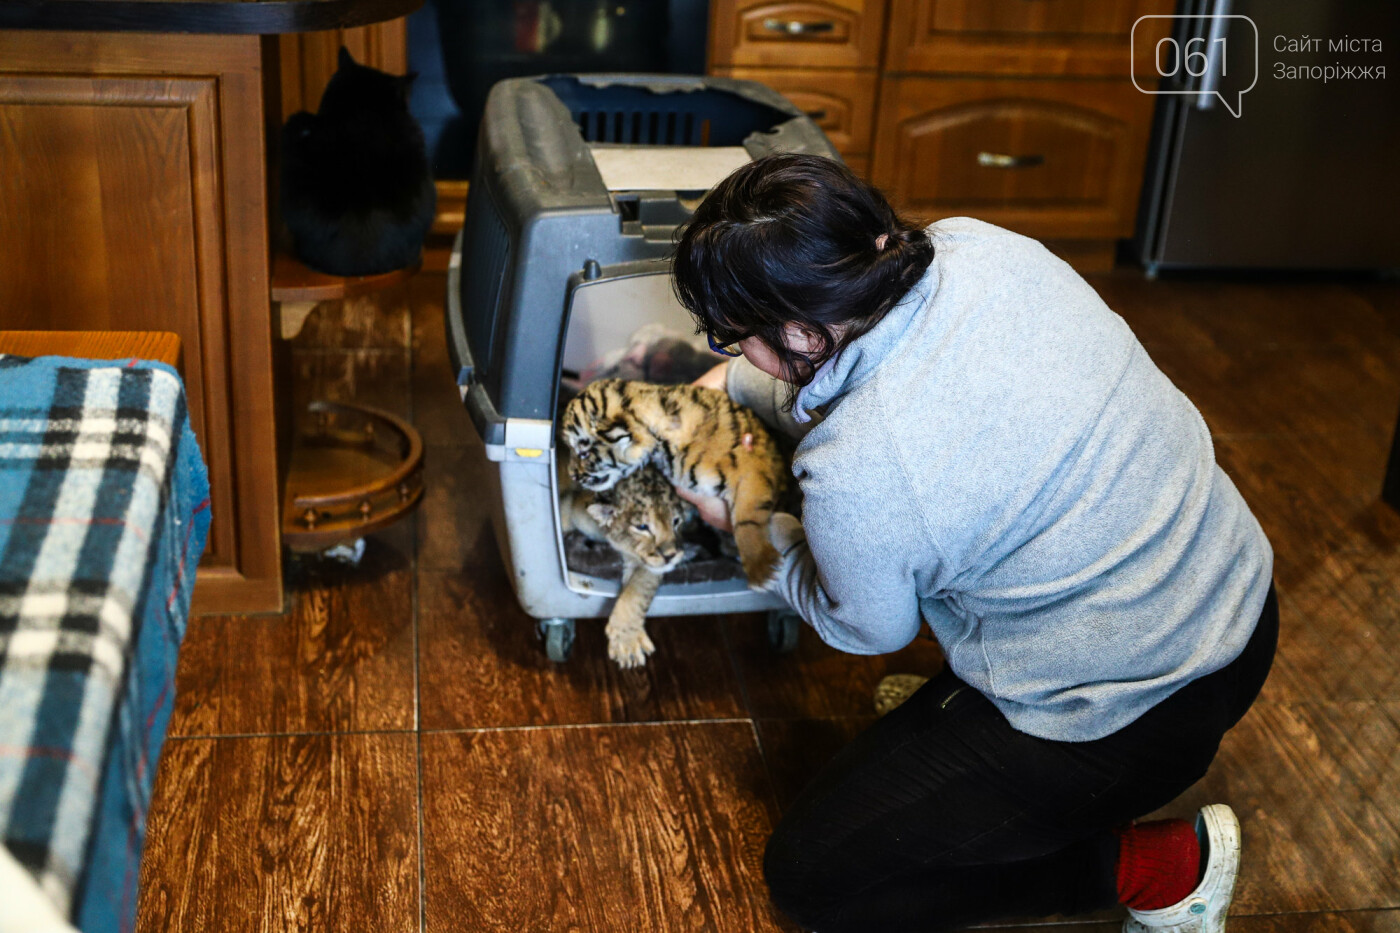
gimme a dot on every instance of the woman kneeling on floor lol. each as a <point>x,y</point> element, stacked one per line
<point>986,447</point>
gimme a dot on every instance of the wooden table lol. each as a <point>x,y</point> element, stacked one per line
<point>94,345</point>
<point>137,196</point>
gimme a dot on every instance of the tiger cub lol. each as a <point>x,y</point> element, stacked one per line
<point>704,443</point>
<point>639,517</point>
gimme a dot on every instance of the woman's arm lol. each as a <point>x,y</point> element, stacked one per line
<point>716,378</point>
<point>855,566</point>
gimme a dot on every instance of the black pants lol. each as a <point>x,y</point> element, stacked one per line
<point>942,815</point>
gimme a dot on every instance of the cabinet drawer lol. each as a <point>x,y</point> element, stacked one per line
<point>812,33</point>
<point>841,102</point>
<point>1050,37</point>
<point>1045,158</point>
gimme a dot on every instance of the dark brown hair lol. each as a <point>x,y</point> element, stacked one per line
<point>796,239</point>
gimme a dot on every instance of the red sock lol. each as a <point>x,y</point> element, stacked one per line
<point>1159,863</point>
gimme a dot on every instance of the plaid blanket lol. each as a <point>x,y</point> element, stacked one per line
<point>104,509</point>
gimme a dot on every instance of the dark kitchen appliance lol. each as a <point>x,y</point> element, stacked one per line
<point>1305,177</point>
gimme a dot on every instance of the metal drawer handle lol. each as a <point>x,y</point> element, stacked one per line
<point>1001,160</point>
<point>817,115</point>
<point>795,27</point>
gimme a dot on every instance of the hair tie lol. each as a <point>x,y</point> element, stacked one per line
<point>880,242</point>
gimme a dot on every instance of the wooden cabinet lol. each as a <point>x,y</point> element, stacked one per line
<point>1039,37</point>
<point>133,198</point>
<point>1051,159</point>
<point>1019,112</point>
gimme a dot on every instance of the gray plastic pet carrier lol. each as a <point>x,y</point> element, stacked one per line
<point>579,186</point>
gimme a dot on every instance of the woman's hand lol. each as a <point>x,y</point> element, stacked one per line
<point>713,510</point>
<point>716,378</point>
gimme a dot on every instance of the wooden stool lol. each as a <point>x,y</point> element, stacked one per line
<point>297,288</point>
<point>358,469</point>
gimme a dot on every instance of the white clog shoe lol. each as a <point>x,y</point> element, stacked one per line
<point>1204,909</point>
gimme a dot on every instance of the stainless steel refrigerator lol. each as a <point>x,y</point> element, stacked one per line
<point>1308,175</point>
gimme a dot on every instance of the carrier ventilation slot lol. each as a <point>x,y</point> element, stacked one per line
<point>643,127</point>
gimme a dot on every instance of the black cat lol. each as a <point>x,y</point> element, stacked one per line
<point>357,195</point>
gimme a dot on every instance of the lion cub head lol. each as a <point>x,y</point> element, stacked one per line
<point>641,516</point>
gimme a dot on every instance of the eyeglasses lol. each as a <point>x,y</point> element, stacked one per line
<point>724,349</point>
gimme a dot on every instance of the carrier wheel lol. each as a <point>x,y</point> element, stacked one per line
<point>558,635</point>
<point>783,627</point>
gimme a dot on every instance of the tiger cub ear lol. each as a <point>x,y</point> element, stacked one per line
<point>600,513</point>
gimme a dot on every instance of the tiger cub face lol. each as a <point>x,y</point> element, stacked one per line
<point>605,440</point>
<point>641,516</point>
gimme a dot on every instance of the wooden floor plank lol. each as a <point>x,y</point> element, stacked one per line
<point>436,403</point>
<point>481,664</point>
<point>1317,790</point>
<point>342,659</point>
<point>1276,359</point>
<point>1307,501</point>
<point>1282,392</point>
<point>266,835</point>
<point>816,681</point>
<point>1238,314</point>
<point>626,828</point>
<point>1341,622</point>
<point>454,520</point>
<point>1362,921</point>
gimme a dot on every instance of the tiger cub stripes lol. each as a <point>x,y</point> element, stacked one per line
<point>704,443</point>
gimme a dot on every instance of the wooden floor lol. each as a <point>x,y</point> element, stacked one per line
<point>395,753</point>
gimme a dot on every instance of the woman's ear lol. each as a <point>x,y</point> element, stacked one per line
<point>800,339</point>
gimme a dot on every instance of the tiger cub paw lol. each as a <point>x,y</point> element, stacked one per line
<point>760,565</point>
<point>629,647</point>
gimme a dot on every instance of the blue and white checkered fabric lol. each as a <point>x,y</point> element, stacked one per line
<point>104,510</point>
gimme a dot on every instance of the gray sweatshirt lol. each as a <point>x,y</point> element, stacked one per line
<point>1000,458</point>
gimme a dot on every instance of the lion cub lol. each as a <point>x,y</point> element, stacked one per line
<point>639,517</point>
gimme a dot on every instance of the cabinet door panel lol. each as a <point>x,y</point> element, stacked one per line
<point>1030,37</point>
<point>809,33</point>
<point>134,198</point>
<point>1044,158</point>
<point>1093,17</point>
<point>841,102</point>
<point>107,210</point>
